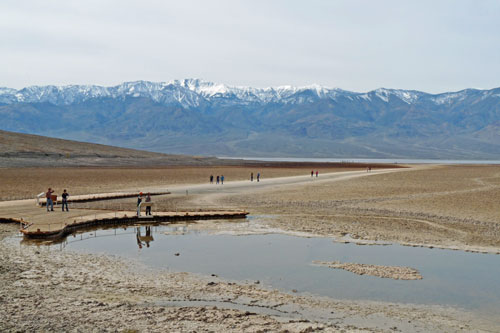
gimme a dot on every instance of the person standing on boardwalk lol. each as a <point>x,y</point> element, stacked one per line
<point>65,196</point>
<point>251,177</point>
<point>139,200</point>
<point>48,195</point>
<point>258,177</point>
<point>211,179</point>
<point>222,179</point>
<point>218,179</point>
<point>148,207</point>
<point>316,173</point>
<point>312,173</point>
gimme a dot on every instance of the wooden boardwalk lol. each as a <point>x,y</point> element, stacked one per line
<point>98,197</point>
<point>36,222</point>
<point>60,229</point>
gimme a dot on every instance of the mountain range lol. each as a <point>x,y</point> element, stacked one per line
<point>198,117</point>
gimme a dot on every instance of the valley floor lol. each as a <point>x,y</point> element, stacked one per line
<point>445,206</point>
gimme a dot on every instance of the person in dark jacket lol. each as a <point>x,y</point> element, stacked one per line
<point>148,208</point>
<point>65,197</point>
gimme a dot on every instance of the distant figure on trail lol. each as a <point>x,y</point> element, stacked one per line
<point>369,169</point>
<point>251,177</point>
<point>218,179</point>
<point>48,195</point>
<point>258,177</point>
<point>148,208</point>
<point>316,173</point>
<point>139,200</point>
<point>222,179</point>
<point>65,196</point>
<point>312,173</point>
<point>211,179</point>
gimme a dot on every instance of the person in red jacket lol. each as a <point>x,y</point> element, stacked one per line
<point>48,195</point>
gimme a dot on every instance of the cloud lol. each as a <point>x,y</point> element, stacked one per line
<point>356,45</point>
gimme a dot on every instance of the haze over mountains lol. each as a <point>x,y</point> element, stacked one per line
<point>198,117</point>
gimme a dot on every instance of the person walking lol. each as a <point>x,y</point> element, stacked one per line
<point>211,179</point>
<point>65,196</point>
<point>148,207</point>
<point>48,195</point>
<point>218,179</point>
<point>222,180</point>
<point>312,173</point>
<point>316,173</point>
<point>258,177</point>
<point>251,177</point>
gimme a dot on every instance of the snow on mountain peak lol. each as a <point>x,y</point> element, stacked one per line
<point>195,92</point>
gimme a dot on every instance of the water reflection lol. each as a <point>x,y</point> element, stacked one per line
<point>468,280</point>
<point>147,238</point>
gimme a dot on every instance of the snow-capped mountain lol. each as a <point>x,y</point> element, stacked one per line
<point>191,93</point>
<point>199,117</point>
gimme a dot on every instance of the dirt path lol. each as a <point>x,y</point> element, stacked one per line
<point>209,193</point>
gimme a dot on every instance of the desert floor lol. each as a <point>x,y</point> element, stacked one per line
<point>446,206</point>
<point>435,206</point>
<point>26,183</point>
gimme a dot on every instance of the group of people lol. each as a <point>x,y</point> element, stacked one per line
<point>50,201</point>
<point>258,177</point>
<point>312,173</point>
<point>147,199</point>
<point>218,179</point>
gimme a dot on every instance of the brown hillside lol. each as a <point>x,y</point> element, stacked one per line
<point>21,150</point>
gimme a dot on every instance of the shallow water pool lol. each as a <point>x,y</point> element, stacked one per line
<point>457,278</point>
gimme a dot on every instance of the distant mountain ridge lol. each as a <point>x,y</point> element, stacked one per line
<point>198,117</point>
<point>194,92</point>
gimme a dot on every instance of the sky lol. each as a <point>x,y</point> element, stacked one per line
<point>432,46</point>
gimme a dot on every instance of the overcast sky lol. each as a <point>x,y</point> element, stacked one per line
<point>433,46</point>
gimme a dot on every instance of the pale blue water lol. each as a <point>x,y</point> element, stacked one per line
<point>461,279</point>
<point>366,160</point>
